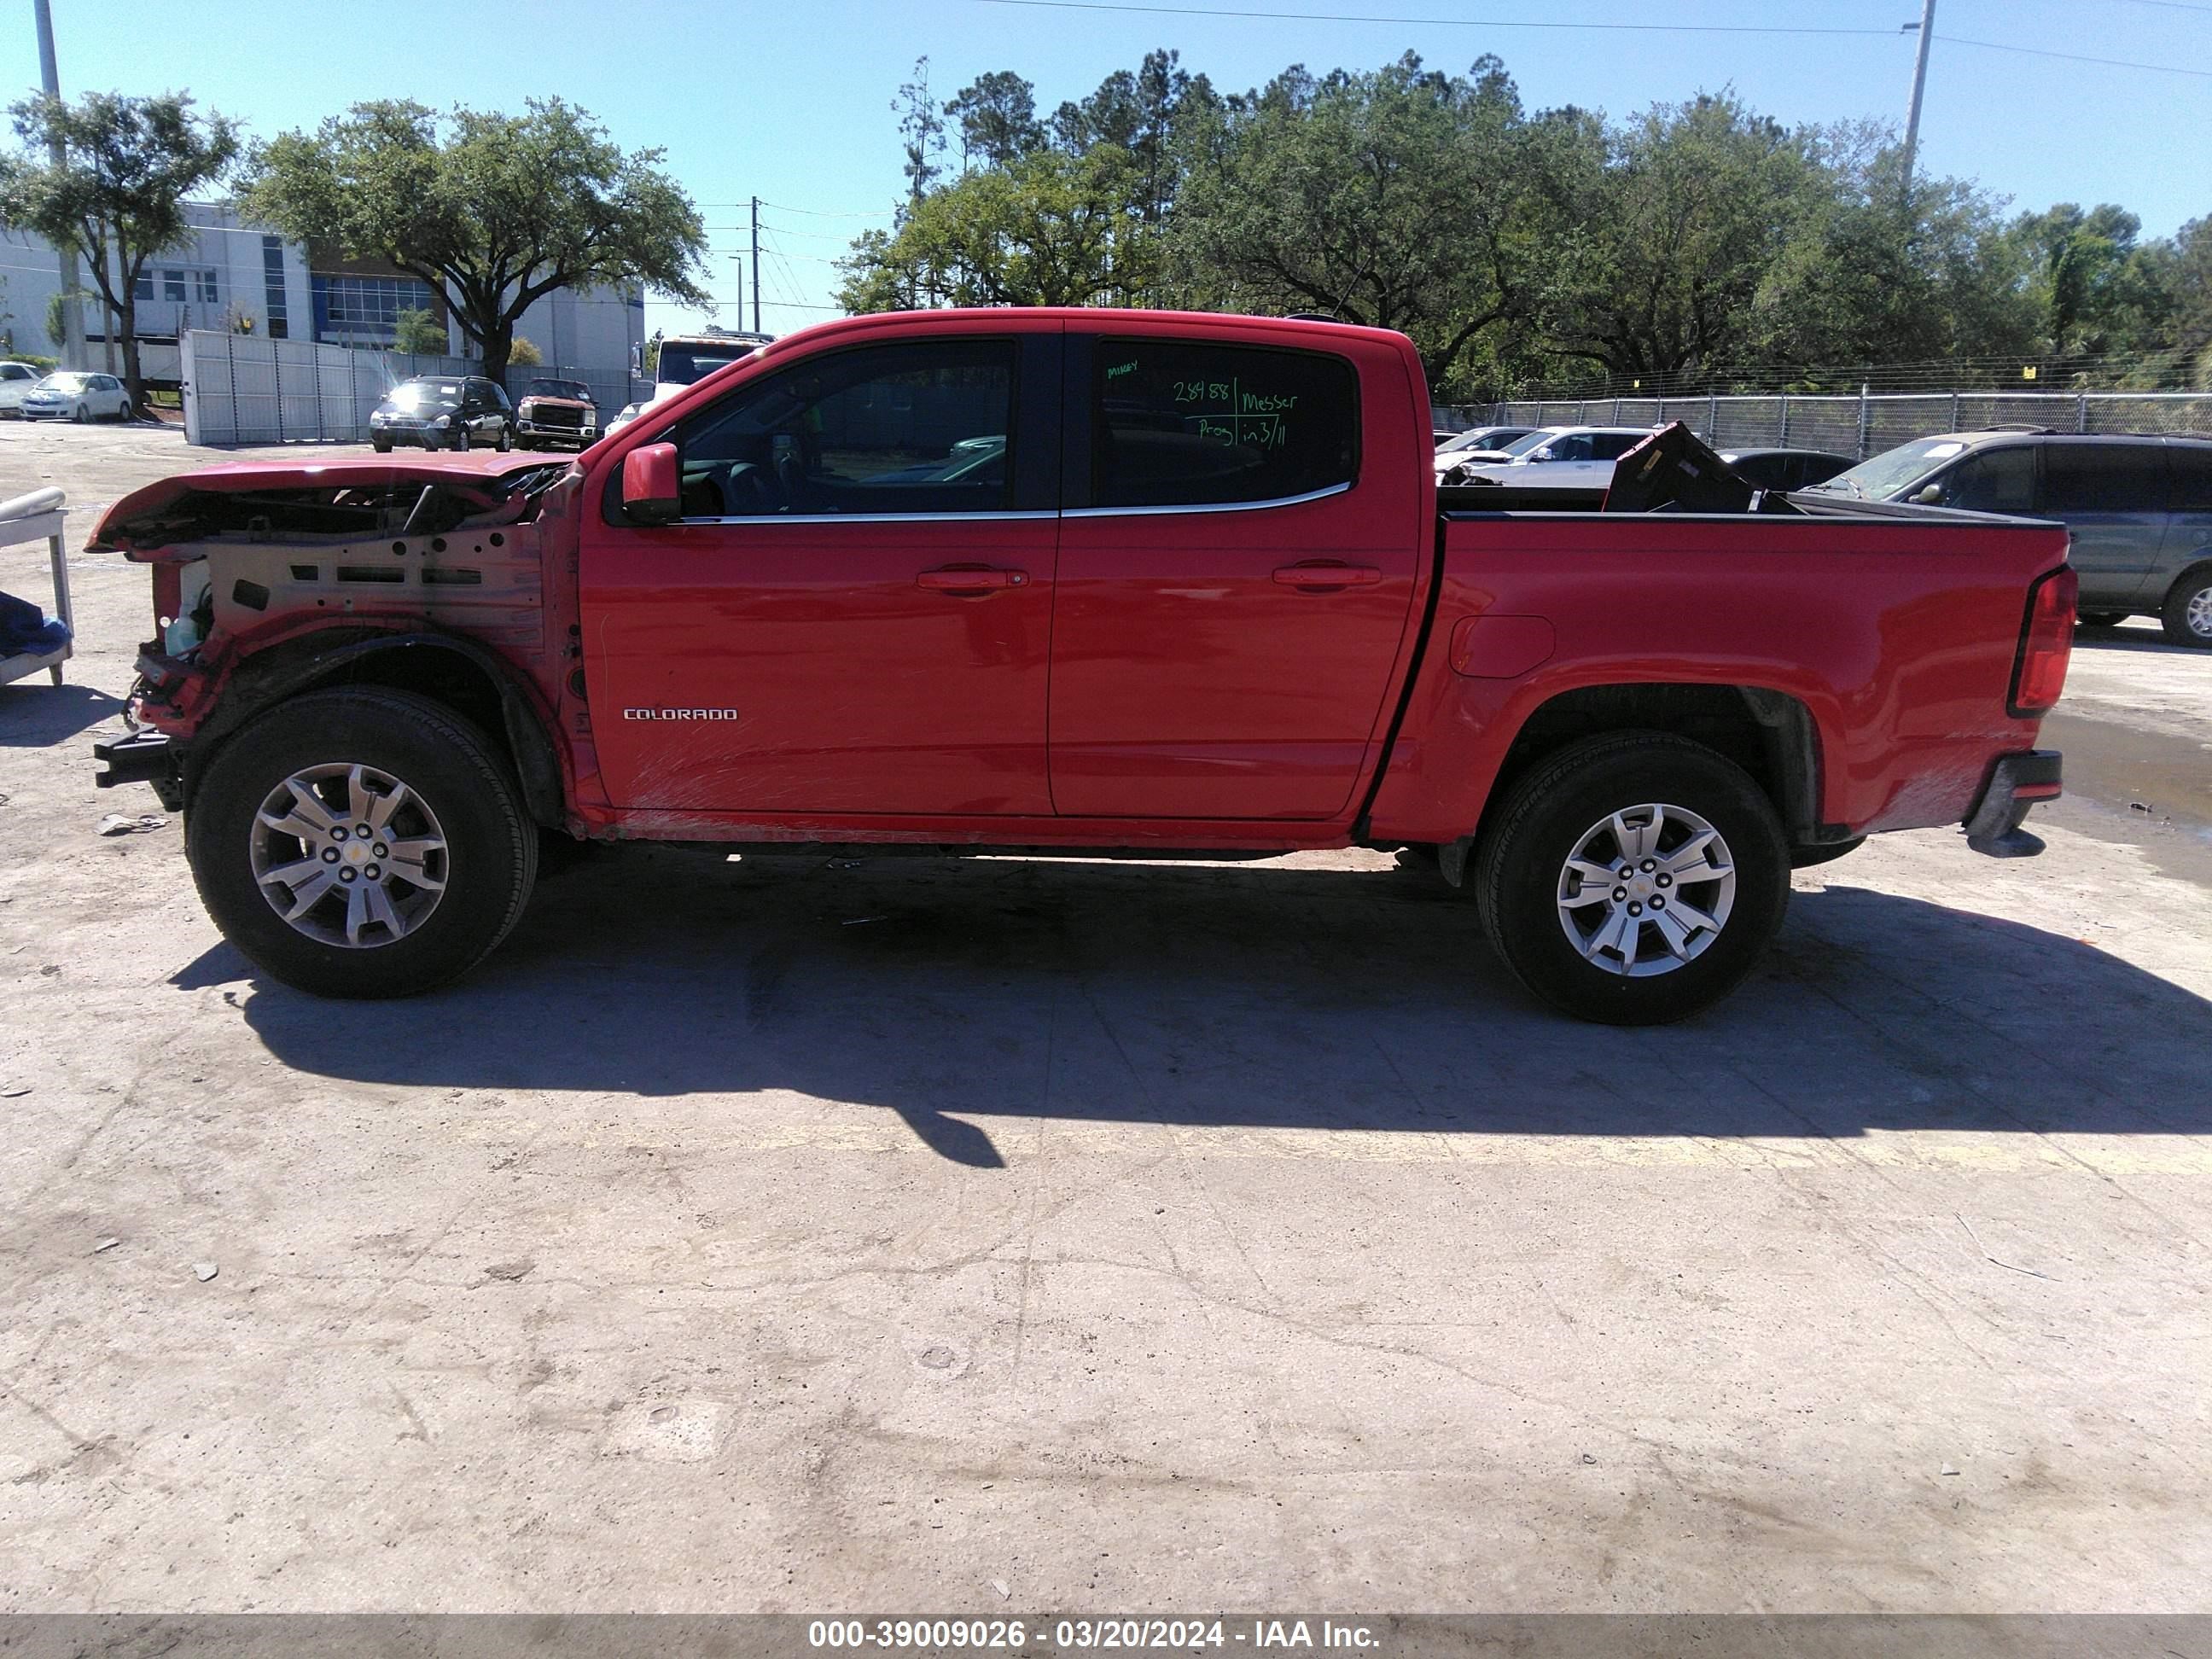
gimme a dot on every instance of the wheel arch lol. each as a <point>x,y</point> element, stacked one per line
<point>457,673</point>
<point>1770,734</point>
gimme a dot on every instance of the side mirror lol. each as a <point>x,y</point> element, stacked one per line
<point>652,492</point>
<point>1544,454</point>
<point>1930,496</point>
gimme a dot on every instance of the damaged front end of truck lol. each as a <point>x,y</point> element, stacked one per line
<point>270,579</point>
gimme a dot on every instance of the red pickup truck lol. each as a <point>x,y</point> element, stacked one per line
<point>1066,580</point>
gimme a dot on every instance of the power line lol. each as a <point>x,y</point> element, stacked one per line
<point>1628,28</point>
<point>2075,57</point>
<point>1439,22</point>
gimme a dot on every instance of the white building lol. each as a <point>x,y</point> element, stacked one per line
<point>236,276</point>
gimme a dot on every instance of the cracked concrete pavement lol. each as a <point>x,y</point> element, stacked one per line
<point>759,1234</point>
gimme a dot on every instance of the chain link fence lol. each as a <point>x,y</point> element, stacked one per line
<point>246,389</point>
<point>1863,425</point>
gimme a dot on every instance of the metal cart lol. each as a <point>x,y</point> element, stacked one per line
<point>29,519</point>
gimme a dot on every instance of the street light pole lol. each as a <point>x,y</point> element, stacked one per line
<point>757,327</point>
<point>72,340</point>
<point>1919,85</point>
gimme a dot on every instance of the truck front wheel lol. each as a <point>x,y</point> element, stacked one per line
<point>1632,879</point>
<point>361,843</point>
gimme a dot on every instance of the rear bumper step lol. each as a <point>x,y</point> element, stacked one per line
<point>2016,783</point>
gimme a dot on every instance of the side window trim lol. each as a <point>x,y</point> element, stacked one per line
<point>1265,505</point>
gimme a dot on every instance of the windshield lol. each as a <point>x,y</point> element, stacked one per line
<point>417,394</point>
<point>1534,442</point>
<point>17,372</point>
<point>66,382</point>
<point>1890,471</point>
<point>575,389</point>
<point>683,361</point>
<point>1477,438</point>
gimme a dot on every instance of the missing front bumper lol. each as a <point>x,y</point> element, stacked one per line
<point>144,756</point>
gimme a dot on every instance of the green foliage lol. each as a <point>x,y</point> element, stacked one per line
<point>116,194</point>
<point>1399,199</point>
<point>525,354</point>
<point>1051,229</point>
<point>495,210</point>
<point>420,334</point>
<point>1694,244</point>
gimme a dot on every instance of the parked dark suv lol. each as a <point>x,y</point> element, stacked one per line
<point>2140,509</point>
<point>443,411</point>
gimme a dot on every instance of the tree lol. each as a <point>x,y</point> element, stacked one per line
<point>107,177</point>
<point>997,113</point>
<point>1395,198</point>
<point>496,211</point>
<point>921,128</point>
<point>525,353</point>
<point>1675,223</point>
<point>1051,229</point>
<point>420,334</point>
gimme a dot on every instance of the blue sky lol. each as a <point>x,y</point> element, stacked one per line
<point>792,101</point>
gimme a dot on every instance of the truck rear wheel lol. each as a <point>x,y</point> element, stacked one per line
<point>361,843</point>
<point>1633,879</point>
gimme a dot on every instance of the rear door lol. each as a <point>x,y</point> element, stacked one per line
<point>853,614</point>
<point>1236,576</point>
<point>2112,496</point>
<point>2188,519</point>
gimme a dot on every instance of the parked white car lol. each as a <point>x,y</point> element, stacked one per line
<point>1480,443</point>
<point>74,395</point>
<point>15,380</point>
<point>1558,458</point>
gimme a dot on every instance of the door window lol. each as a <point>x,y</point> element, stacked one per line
<point>1189,423</point>
<point>1995,481</point>
<point>2103,478</point>
<point>2191,466</point>
<point>918,428</point>
<point>1612,445</point>
<point>1575,446</point>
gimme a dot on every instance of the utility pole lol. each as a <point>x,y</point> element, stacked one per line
<point>1927,27</point>
<point>740,260</point>
<point>72,341</point>
<point>757,327</point>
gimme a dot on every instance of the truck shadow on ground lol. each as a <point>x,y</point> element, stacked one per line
<point>1262,996</point>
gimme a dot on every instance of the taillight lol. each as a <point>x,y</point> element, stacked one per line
<point>2040,673</point>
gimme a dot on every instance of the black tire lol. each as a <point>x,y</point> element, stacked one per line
<point>506,439</point>
<point>460,437</point>
<point>84,415</point>
<point>382,446</point>
<point>491,860</point>
<point>1521,858</point>
<point>2192,594</point>
<point>2100,618</point>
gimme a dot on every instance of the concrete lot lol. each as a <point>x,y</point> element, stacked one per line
<point>1035,1237</point>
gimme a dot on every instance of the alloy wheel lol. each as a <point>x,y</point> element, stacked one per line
<point>349,855</point>
<point>1646,890</point>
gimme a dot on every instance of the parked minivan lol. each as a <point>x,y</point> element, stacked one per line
<point>2140,507</point>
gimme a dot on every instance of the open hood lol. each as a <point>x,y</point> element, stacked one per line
<point>349,499</point>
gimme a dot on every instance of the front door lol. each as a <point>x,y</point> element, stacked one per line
<point>1235,588</point>
<point>854,612</point>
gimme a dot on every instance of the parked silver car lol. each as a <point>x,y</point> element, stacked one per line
<point>2140,507</point>
<point>17,380</point>
<point>74,395</point>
